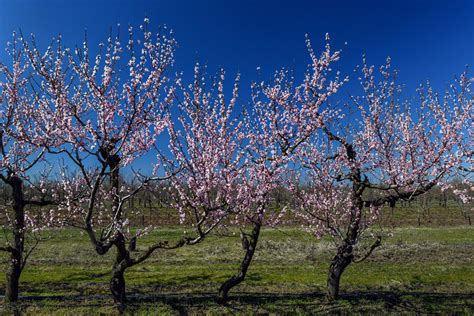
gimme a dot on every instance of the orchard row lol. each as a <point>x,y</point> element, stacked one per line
<point>122,109</point>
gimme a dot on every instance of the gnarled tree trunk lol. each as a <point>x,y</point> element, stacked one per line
<point>16,253</point>
<point>249,246</point>
<point>13,277</point>
<point>117,282</point>
<point>339,263</point>
<point>344,256</point>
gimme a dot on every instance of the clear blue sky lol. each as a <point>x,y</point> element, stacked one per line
<point>426,39</point>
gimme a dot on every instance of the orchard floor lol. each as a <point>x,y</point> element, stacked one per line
<point>417,270</point>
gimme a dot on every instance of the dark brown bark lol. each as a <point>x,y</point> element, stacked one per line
<point>249,245</point>
<point>132,245</point>
<point>344,256</point>
<point>117,282</point>
<point>117,285</point>
<point>339,263</point>
<point>13,277</point>
<point>114,165</point>
<point>18,230</point>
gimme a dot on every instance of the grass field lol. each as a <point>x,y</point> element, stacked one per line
<point>417,270</point>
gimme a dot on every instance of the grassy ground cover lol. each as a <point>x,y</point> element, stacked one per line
<point>417,270</point>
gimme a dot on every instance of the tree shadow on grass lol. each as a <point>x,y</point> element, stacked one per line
<point>411,302</point>
<point>391,301</point>
<point>84,276</point>
<point>370,301</point>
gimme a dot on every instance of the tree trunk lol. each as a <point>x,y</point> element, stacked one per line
<point>339,263</point>
<point>344,255</point>
<point>13,277</point>
<point>132,245</point>
<point>117,282</point>
<point>249,246</point>
<point>18,230</point>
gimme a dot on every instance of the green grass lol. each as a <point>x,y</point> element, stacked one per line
<point>417,270</point>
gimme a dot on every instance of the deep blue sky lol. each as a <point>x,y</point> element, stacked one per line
<point>426,39</point>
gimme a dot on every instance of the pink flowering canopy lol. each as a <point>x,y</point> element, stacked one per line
<point>111,100</point>
<point>107,109</point>
<point>24,138</point>
<point>206,153</point>
<point>396,150</point>
<point>282,118</point>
